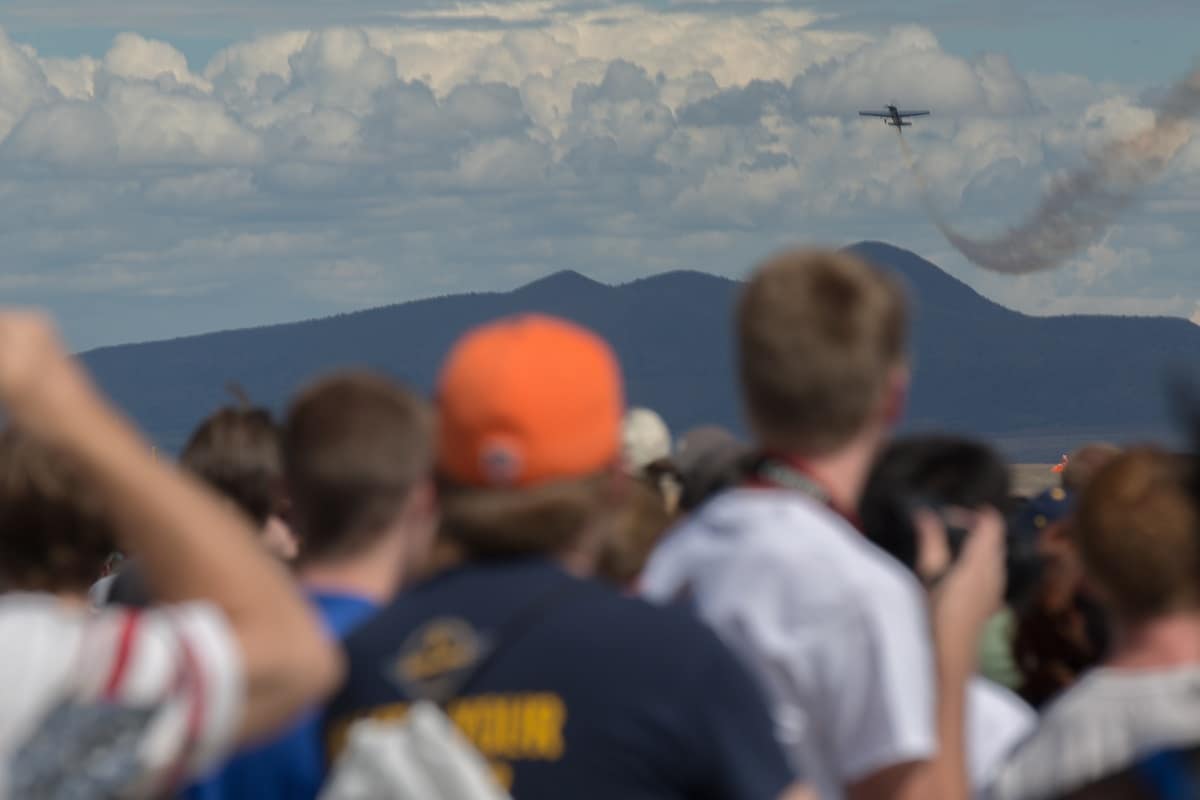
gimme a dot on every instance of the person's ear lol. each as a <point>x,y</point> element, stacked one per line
<point>280,539</point>
<point>423,501</point>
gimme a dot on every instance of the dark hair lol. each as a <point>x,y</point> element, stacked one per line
<point>355,445</point>
<point>238,452</point>
<point>932,471</point>
<point>55,530</point>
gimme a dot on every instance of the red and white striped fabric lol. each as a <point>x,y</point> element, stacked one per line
<point>118,702</point>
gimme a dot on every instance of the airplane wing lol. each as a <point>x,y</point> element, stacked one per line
<point>913,113</point>
<point>873,114</point>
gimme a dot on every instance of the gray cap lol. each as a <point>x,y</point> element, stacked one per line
<point>708,459</point>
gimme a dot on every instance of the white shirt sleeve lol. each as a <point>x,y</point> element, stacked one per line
<point>155,697</point>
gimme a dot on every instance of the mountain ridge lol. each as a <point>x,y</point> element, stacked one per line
<point>979,367</point>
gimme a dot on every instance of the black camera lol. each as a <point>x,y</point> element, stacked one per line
<point>1023,563</point>
<point>951,477</point>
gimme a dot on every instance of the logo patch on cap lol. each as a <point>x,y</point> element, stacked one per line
<point>500,461</point>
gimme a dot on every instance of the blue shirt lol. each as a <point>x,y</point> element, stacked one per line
<point>291,767</point>
<point>597,696</point>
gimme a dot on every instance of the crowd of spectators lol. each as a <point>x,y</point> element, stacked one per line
<point>522,587</point>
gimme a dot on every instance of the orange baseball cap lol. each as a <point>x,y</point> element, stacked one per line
<point>528,400</point>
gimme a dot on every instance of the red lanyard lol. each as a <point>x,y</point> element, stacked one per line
<point>788,472</point>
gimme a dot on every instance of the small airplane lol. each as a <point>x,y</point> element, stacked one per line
<point>894,116</point>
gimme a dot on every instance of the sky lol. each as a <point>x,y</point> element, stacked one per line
<point>170,167</point>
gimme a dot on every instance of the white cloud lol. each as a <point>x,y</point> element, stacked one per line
<point>137,58</point>
<point>69,133</point>
<point>908,67</point>
<point>1102,260</point>
<point>23,83</point>
<point>356,164</point>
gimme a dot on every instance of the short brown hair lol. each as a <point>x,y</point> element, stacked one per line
<point>1138,535</point>
<point>355,445</point>
<point>237,452</point>
<point>818,332</point>
<point>640,523</point>
<point>55,530</point>
<point>547,519</point>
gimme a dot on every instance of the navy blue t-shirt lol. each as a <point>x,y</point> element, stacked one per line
<point>601,696</point>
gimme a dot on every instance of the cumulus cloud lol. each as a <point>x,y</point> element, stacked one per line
<point>316,169</point>
<point>909,67</point>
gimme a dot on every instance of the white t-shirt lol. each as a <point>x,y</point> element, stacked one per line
<point>997,721</point>
<point>118,702</point>
<point>836,629</point>
<point>1100,726</point>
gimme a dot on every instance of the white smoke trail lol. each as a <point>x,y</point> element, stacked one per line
<point>1079,208</point>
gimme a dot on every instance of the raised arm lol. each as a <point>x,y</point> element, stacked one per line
<point>194,546</point>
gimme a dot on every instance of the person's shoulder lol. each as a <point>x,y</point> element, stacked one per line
<point>779,550</point>
<point>670,640</point>
<point>631,614</point>
<point>739,524</point>
<point>1000,704</point>
<point>1069,743</point>
<point>803,537</point>
<point>18,609</point>
<point>43,633</point>
<point>467,591</point>
<point>127,671</point>
<point>386,623</point>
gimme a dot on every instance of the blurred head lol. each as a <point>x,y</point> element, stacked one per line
<point>709,460</point>
<point>1137,535</point>
<point>646,454</point>
<point>645,440</point>
<point>529,436</point>
<point>822,339</point>
<point>639,524</point>
<point>358,455</point>
<point>940,472</point>
<point>1084,463</point>
<point>237,452</point>
<point>55,532</point>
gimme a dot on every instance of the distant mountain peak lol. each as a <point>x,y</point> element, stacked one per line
<point>567,279</point>
<point>878,246</point>
<point>936,286</point>
<point>680,276</point>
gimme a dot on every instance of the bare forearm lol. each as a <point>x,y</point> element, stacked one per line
<point>950,766</point>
